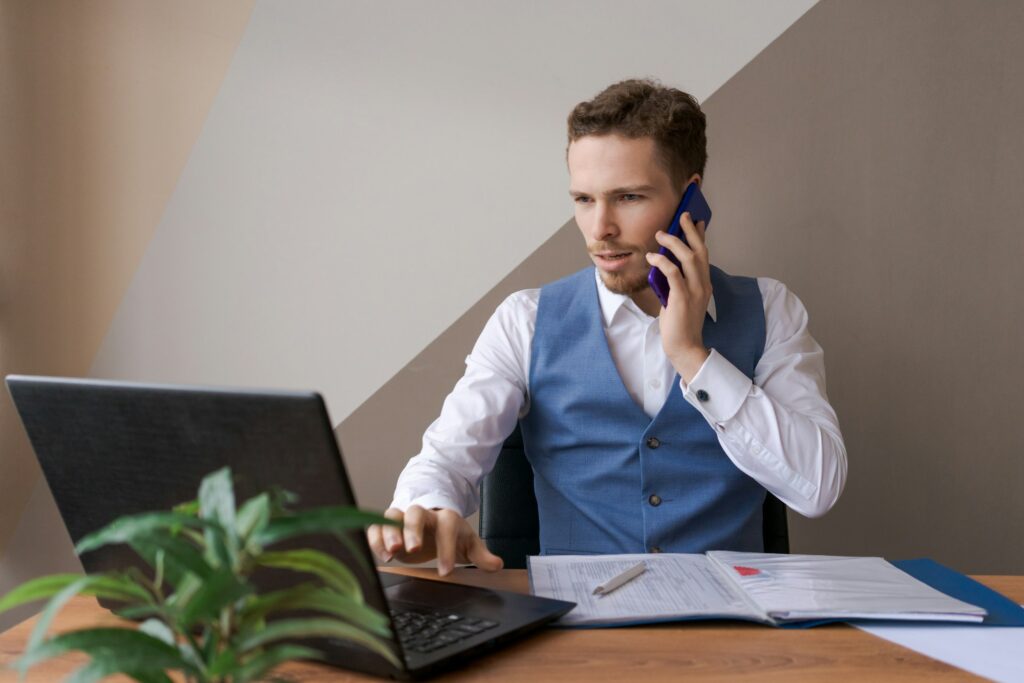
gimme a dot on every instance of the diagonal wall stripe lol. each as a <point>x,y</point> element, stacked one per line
<point>366,174</point>
<point>870,158</point>
<point>391,422</point>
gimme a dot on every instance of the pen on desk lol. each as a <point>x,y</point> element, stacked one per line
<point>620,580</point>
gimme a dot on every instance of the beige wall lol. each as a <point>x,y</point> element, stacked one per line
<point>100,104</point>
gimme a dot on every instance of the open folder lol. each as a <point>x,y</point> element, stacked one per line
<point>771,589</point>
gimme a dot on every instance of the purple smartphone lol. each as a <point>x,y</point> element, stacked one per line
<point>694,202</point>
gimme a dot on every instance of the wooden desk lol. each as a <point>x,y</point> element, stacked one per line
<point>694,651</point>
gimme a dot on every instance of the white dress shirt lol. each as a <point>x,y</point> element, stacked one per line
<point>779,429</point>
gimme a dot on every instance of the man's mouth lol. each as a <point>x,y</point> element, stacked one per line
<point>613,255</point>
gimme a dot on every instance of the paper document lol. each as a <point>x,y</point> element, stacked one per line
<point>804,587</point>
<point>990,652</point>
<point>773,589</point>
<point>670,586</point>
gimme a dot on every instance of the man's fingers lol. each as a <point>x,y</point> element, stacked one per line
<point>376,541</point>
<point>701,252</point>
<point>669,270</point>
<point>392,535</point>
<point>688,260</point>
<point>447,535</point>
<point>482,557</point>
<point>694,235</point>
<point>699,246</point>
<point>415,520</point>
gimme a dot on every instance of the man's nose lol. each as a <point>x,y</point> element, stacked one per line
<point>605,225</point>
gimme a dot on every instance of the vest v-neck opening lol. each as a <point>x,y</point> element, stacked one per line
<point>596,317</point>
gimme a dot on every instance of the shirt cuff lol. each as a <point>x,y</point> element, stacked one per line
<point>429,501</point>
<point>718,389</point>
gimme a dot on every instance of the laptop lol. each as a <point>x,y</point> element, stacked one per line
<point>109,449</point>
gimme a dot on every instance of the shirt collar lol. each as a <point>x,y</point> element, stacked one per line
<point>612,302</point>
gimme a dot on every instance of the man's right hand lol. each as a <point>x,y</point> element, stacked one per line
<point>426,534</point>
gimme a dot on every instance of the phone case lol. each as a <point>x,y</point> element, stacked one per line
<point>694,202</point>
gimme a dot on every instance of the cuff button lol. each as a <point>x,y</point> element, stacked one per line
<point>702,396</point>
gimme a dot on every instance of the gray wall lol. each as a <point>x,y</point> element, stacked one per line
<point>872,158</point>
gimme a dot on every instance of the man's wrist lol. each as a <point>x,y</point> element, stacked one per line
<point>689,362</point>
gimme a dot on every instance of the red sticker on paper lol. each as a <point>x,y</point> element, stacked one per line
<point>746,571</point>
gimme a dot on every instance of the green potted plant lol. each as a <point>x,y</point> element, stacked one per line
<point>199,612</point>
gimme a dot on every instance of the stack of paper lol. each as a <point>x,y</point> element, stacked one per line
<point>772,589</point>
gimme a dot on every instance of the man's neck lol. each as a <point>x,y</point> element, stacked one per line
<point>647,301</point>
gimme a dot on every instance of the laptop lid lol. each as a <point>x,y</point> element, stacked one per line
<point>109,449</point>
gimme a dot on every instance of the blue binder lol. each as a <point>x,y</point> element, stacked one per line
<point>1001,610</point>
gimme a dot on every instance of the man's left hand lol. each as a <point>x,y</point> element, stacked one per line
<point>682,321</point>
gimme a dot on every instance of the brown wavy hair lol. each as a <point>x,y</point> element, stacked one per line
<point>639,108</point>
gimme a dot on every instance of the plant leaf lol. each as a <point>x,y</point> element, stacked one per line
<point>159,630</point>
<point>189,507</point>
<point>131,649</point>
<point>253,517</point>
<point>318,521</point>
<point>188,587</point>
<point>135,612</point>
<point>310,597</point>
<point>218,591</point>
<point>357,553</point>
<point>217,498</point>
<point>179,556</point>
<point>316,628</point>
<point>112,586</point>
<point>265,661</point>
<point>49,612</point>
<point>281,501</point>
<point>217,504</point>
<point>101,667</point>
<point>131,527</point>
<point>320,564</point>
<point>225,665</point>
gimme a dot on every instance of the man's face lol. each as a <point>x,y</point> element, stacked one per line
<point>623,196</point>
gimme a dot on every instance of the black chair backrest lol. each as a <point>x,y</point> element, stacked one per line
<point>508,510</point>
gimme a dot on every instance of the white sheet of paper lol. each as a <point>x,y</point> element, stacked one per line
<point>672,585</point>
<point>807,587</point>
<point>989,651</point>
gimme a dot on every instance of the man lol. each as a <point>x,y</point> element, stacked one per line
<point>649,429</point>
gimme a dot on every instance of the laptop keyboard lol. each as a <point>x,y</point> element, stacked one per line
<point>426,631</point>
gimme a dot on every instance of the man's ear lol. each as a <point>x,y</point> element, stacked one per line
<point>695,178</point>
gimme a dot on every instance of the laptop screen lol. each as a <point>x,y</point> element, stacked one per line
<point>109,449</point>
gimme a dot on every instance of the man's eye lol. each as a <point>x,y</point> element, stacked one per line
<point>582,200</point>
<point>630,197</point>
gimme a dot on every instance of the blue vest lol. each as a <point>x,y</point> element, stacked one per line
<point>598,458</point>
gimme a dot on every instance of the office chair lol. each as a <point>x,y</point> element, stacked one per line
<point>508,510</point>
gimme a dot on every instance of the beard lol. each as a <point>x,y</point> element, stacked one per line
<point>627,283</point>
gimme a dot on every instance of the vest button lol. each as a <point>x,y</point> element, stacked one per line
<point>652,442</point>
<point>702,396</point>
<point>655,549</point>
<point>654,500</point>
